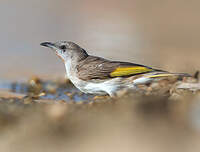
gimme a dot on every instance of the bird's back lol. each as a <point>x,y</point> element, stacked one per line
<point>99,68</point>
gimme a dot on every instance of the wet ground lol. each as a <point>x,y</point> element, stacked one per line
<point>52,115</point>
<point>47,89</point>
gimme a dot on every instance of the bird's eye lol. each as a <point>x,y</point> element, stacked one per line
<point>63,47</point>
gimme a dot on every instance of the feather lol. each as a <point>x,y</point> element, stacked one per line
<point>98,68</point>
<point>126,71</point>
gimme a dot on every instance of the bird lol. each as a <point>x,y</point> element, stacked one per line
<point>99,76</point>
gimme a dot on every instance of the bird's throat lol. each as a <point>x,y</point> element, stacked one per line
<point>70,69</point>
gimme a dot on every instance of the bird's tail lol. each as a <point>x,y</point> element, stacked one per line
<point>159,75</point>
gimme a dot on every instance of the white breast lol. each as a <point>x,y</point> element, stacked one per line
<point>104,87</point>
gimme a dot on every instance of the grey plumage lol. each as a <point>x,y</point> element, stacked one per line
<point>94,67</point>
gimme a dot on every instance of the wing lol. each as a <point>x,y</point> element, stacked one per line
<point>99,68</point>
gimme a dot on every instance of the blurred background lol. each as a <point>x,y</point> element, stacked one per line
<point>162,34</point>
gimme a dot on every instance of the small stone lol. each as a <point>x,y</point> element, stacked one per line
<point>34,81</point>
<point>70,95</point>
<point>51,88</point>
<point>35,85</point>
<point>97,97</point>
<point>27,100</point>
<point>42,94</point>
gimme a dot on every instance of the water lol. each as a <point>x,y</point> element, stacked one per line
<point>48,89</point>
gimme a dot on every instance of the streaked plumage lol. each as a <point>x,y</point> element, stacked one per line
<point>97,75</point>
<point>94,67</point>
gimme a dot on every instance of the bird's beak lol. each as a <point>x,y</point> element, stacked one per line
<point>48,44</point>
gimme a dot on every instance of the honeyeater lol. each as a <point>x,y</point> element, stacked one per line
<point>96,75</point>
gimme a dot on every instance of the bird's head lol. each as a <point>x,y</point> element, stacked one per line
<point>67,51</point>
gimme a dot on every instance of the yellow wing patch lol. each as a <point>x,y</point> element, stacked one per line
<point>126,71</point>
<point>161,75</point>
